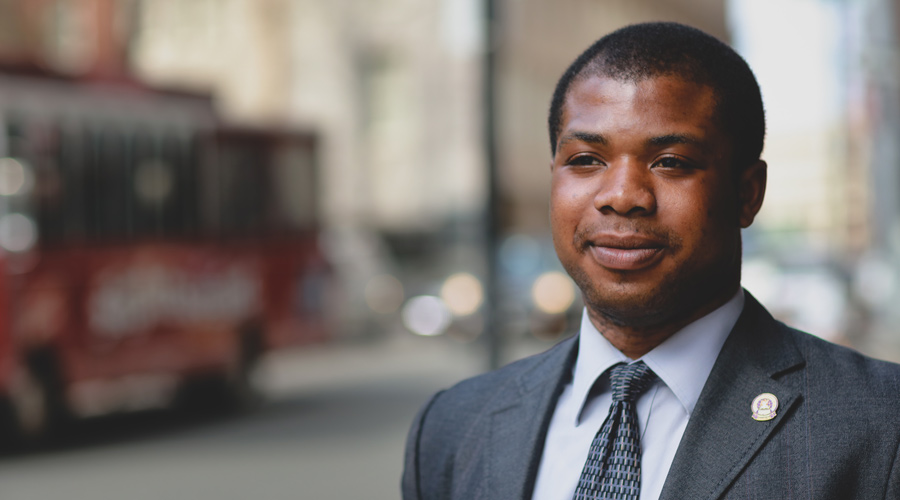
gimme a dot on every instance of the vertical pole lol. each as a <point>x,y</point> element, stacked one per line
<point>493,327</point>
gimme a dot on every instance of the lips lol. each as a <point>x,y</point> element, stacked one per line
<point>625,252</point>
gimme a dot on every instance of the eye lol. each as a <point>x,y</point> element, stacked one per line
<point>672,163</point>
<point>584,161</point>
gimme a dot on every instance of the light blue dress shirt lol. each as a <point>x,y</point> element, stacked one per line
<point>682,363</point>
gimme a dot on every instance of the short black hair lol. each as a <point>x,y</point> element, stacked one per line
<point>648,50</point>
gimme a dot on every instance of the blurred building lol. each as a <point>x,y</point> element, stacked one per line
<point>877,277</point>
<point>389,85</point>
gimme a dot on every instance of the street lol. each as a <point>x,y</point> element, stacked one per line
<point>334,428</point>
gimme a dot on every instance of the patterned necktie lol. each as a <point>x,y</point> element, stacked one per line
<point>613,467</point>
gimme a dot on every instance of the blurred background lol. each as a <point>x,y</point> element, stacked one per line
<point>325,210</point>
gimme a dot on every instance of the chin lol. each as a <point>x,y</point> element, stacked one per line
<point>673,299</point>
<point>637,310</point>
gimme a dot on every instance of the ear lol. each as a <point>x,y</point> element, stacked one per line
<point>751,191</point>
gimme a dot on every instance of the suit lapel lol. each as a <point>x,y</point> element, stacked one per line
<point>721,437</point>
<point>519,422</point>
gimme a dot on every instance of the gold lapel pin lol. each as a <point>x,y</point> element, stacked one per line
<point>764,407</point>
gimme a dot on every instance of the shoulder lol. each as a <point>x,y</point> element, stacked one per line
<point>450,431</point>
<point>472,397</point>
<point>844,369</point>
<point>809,363</point>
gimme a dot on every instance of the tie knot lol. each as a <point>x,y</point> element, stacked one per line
<point>629,381</point>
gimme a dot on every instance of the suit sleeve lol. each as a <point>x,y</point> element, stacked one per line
<point>410,483</point>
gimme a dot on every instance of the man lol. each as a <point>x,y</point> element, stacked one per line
<point>679,385</point>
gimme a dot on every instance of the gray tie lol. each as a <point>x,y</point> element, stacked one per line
<point>612,470</point>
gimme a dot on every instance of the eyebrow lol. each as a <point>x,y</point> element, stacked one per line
<point>589,137</point>
<point>670,139</point>
<point>658,141</point>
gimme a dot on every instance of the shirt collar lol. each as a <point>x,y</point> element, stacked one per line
<point>682,362</point>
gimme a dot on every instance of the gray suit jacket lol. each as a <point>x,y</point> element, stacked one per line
<point>836,434</point>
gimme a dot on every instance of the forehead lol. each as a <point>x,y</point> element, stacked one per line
<point>656,105</point>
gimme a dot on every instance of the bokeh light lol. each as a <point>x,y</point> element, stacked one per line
<point>12,176</point>
<point>462,294</point>
<point>154,182</point>
<point>426,315</point>
<point>17,233</point>
<point>553,292</point>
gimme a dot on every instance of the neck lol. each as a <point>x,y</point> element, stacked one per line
<point>636,341</point>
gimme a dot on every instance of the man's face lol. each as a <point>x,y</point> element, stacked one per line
<point>645,206</point>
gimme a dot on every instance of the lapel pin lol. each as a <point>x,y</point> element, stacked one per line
<point>764,407</point>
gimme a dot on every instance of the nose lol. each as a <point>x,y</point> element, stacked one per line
<point>626,188</point>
